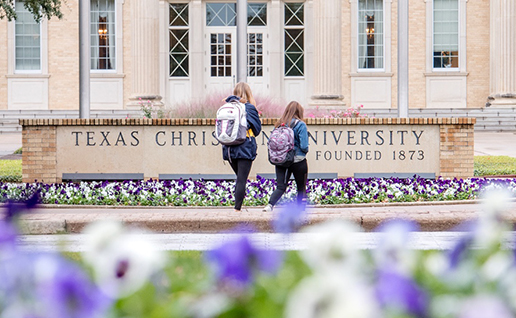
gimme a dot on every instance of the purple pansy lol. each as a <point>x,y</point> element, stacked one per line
<point>70,293</point>
<point>13,209</point>
<point>46,285</point>
<point>236,261</point>
<point>8,235</point>
<point>290,218</point>
<point>399,292</point>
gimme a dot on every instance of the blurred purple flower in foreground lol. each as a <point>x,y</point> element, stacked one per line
<point>14,209</point>
<point>237,260</point>
<point>290,218</point>
<point>46,285</point>
<point>8,235</point>
<point>400,292</point>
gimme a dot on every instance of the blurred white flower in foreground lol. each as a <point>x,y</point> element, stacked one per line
<point>393,247</point>
<point>491,226</point>
<point>333,247</point>
<point>122,259</point>
<point>484,306</point>
<point>495,200</point>
<point>332,295</point>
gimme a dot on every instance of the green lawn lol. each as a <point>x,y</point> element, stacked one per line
<point>10,171</point>
<point>494,165</point>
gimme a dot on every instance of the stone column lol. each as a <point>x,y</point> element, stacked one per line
<point>503,53</point>
<point>145,52</point>
<point>327,83</point>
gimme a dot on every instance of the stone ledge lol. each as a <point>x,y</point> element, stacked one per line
<point>261,223</point>
<point>265,121</point>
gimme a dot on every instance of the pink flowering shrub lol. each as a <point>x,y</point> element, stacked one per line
<point>350,112</point>
<point>149,110</point>
<point>207,106</point>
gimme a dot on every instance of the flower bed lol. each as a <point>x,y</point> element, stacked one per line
<point>220,193</point>
<point>122,273</point>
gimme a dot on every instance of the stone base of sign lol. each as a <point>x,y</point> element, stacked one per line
<point>57,149</point>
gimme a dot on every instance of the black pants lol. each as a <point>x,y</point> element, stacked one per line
<point>242,167</point>
<point>300,171</point>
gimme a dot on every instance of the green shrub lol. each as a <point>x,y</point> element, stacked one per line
<point>10,171</point>
<point>18,151</point>
<point>494,165</point>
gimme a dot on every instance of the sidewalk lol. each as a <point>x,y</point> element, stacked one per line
<point>434,216</point>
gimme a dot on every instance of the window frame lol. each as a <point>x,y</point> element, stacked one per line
<point>384,55</point>
<point>42,62</point>
<point>283,34</point>
<point>118,55</point>
<point>462,69</point>
<point>459,33</point>
<point>189,31</point>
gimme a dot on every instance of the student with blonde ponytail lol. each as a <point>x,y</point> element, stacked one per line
<point>241,156</point>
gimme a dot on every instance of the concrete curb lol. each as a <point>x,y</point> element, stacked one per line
<point>260,223</point>
<point>431,216</point>
<point>346,205</point>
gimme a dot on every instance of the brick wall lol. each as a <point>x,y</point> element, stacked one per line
<point>63,58</point>
<point>40,141</point>
<point>478,55</point>
<point>457,150</point>
<point>39,153</point>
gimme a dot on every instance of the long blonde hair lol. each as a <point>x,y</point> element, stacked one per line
<point>293,110</point>
<point>243,91</point>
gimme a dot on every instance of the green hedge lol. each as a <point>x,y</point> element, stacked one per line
<point>494,165</point>
<point>10,171</point>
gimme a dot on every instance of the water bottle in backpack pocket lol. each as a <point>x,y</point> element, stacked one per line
<point>231,124</point>
<point>281,146</point>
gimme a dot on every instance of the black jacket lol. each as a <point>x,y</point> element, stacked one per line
<point>246,150</point>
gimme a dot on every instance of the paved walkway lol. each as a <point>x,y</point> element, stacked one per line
<point>202,242</point>
<point>434,216</point>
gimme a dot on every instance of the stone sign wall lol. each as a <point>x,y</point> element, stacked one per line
<point>76,149</point>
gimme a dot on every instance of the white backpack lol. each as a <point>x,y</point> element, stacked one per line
<point>231,124</point>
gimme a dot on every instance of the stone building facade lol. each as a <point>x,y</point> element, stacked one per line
<point>335,53</point>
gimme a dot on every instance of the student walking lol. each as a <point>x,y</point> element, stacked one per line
<point>292,117</point>
<point>241,156</point>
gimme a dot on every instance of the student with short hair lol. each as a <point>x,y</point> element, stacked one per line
<point>241,156</point>
<point>293,112</point>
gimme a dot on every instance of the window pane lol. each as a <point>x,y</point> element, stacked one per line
<point>294,39</point>
<point>103,34</point>
<point>221,55</point>
<point>221,14</point>
<point>179,40</point>
<point>27,40</point>
<point>257,14</point>
<point>446,34</point>
<point>178,14</point>
<point>294,14</point>
<point>370,34</point>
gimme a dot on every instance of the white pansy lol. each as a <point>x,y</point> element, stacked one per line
<point>332,295</point>
<point>497,266</point>
<point>122,259</point>
<point>333,246</point>
<point>393,249</point>
<point>483,306</point>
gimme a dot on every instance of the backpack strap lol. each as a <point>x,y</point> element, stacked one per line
<point>295,123</point>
